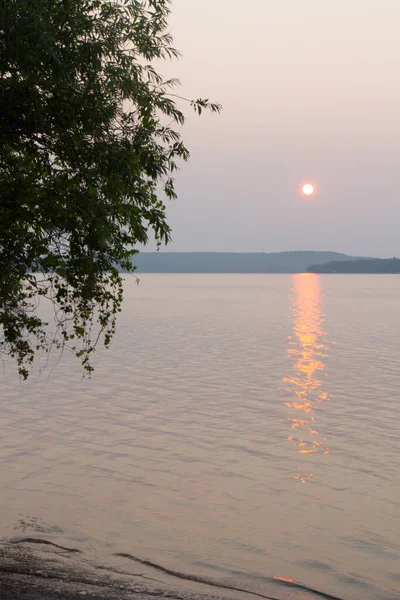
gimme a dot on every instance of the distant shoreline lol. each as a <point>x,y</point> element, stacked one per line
<point>235,263</point>
<point>376,266</point>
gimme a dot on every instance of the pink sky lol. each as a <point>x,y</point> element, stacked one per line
<point>311,90</point>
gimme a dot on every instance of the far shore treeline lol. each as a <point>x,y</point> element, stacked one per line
<point>372,266</point>
<point>234,262</point>
<point>261,262</point>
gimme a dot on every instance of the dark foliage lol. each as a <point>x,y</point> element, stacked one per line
<point>87,148</point>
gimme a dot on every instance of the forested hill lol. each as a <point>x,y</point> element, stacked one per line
<point>226,262</point>
<point>375,265</point>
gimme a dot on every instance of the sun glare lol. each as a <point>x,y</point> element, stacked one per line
<point>308,189</point>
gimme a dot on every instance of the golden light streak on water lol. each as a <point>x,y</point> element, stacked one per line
<point>305,382</point>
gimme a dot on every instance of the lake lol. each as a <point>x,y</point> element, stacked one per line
<point>242,428</point>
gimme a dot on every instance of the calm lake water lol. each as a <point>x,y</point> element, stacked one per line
<point>241,428</point>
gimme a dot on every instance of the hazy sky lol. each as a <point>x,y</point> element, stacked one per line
<point>311,91</point>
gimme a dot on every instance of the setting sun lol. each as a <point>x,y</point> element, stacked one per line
<point>307,189</point>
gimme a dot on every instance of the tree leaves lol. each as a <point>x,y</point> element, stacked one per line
<point>86,145</point>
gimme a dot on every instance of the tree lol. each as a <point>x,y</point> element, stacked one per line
<point>88,149</point>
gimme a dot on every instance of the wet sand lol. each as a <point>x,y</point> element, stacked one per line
<point>35,569</point>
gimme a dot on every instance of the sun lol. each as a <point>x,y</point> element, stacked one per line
<point>308,189</point>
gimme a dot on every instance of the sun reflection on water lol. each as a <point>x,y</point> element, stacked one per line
<point>306,381</point>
